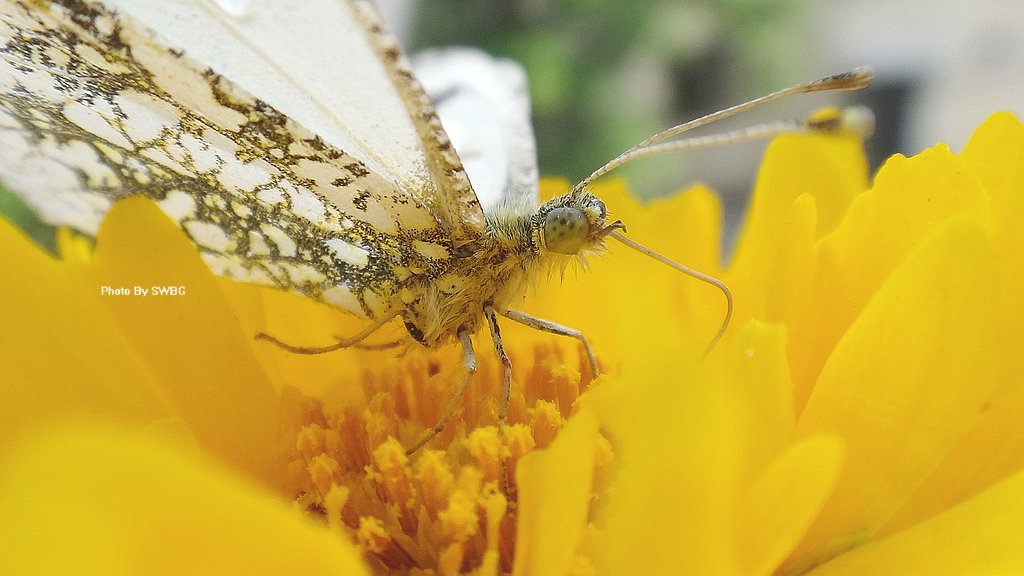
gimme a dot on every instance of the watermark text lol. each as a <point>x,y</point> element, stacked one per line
<point>142,291</point>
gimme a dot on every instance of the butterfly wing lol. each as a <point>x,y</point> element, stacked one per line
<point>484,104</point>
<point>94,107</point>
<point>330,66</point>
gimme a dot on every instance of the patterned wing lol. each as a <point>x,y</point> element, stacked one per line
<point>329,65</point>
<point>93,107</point>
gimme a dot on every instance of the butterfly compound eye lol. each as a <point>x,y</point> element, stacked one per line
<point>566,230</point>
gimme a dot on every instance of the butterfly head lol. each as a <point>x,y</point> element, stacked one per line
<point>573,224</point>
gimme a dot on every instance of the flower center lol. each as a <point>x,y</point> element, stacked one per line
<point>450,508</point>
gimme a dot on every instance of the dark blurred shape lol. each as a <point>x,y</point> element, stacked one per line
<point>890,99</point>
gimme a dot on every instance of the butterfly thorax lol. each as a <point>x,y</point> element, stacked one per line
<point>520,246</point>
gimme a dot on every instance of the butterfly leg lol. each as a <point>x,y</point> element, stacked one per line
<point>469,364</point>
<point>506,390</point>
<point>383,345</point>
<point>506,385</point>
<point>549,326</point>
<point>341,343</point>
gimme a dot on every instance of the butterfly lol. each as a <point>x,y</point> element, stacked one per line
<point>292,143</point>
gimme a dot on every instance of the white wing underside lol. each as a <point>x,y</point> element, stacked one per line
<point>310,60</point>
<point>484,105</point>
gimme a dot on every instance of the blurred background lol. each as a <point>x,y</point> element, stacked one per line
<point>606,74</point>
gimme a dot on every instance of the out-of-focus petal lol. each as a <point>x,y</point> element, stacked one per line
<point>555,487</point>
<point>980,537</point>
<point>911,375</point>
<point>80,500</point>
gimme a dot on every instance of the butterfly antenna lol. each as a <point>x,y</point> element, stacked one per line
<point>856,120</point>
<point>688,271</point>
<point>852,80</point>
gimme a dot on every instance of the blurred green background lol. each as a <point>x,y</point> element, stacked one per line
<point>606,75</point>
<point>15,210</point>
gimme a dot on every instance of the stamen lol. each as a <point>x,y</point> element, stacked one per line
<point>690,272</point>
<point>450,511</point>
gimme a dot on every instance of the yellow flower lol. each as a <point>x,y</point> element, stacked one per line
<point>861,415</point>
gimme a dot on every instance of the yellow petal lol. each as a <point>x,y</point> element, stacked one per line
<point>996,155</point>
<point>63,352</point>
<point>831,169</point>
<point>986,454</point>
<point>789,279</point>
<point>979,537</point>
<point>782,502</point>
<point>994,448</point>
<point>815,176</point>
<point>301,321</point>
<point>758,373</point>
<point>910,199</point>
<point>80,500</point>
<point>554,499</point>
<point>776,285</point>
<point>204,366</point>
<point>907,380</point>
<point>677,440</point>
<point>788,482</point>
<point>693,240</point>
